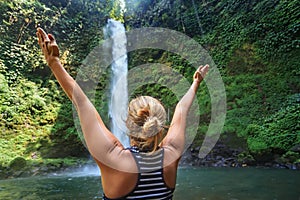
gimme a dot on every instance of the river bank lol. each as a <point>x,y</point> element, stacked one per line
<point>20,167</point>
<point>221,156</point>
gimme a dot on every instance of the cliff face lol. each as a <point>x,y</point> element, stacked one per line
<point>255,45</point>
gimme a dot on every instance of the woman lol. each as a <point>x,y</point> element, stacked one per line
<point>148,169</point>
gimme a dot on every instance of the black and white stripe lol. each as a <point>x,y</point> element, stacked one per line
<point>151,184</point>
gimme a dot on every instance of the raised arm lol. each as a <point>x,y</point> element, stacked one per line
<point>175,138</point>
<point>100,141</point>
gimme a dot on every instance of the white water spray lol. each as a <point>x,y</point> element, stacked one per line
<point>119,91</point>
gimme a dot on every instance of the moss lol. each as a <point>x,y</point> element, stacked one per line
<point>245,157</point>
<point>278,132</point>
<point>18,164</point>
<point>290,157</point>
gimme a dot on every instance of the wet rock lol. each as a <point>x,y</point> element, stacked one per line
<point>17,164</point>
<point>296,148</point>
<point>223,156</point>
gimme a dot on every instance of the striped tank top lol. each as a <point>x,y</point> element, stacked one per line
<point>150,184</point>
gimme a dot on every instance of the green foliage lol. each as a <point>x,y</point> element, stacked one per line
<point>27,112</point>
<point>251,97</point>
<point>272,26</point>
<point>25,100</point>
<point>277,28</point>
<point>245,157</point>
<point>254,43</point>
<point>278,132</point>
<point>18,163</point>
<point>116,11</point>
<point>33,118</point>
<point>20,53</point>
<point>290,157</point>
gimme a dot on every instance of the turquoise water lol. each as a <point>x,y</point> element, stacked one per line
<point>192,184</point>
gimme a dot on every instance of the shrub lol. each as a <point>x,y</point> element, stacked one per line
<point>278,132</point>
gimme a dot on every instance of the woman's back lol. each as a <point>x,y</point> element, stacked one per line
<point>152,181</point>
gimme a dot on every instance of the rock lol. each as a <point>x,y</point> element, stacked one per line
<point>296,148</point>
<point>17,164</point>
<point>223,156</point>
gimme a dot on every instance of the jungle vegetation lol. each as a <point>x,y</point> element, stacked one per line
<point>255,45</point>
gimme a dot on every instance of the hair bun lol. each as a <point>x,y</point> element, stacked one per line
<point>146,117</point>
<point>151,126</point>
<point>141,116</point>
<point>143,112</point>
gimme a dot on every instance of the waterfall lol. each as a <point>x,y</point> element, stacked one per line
<point>118,91</point>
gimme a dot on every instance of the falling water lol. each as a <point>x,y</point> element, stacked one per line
<point>119,91</point>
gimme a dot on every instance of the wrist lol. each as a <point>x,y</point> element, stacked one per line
<point>197,81</point>
<point>53,62</point>
<point>195,85</point>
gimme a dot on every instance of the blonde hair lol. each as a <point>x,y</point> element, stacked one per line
<point>146,122</point>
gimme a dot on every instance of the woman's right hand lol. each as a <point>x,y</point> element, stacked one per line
<point>48,45</point>
<point>200,73</point>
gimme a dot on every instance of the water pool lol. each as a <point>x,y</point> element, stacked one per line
<point>192,184</point>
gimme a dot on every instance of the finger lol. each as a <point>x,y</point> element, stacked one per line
<point>40,32</point>
<point>51,37</point>
<point>47,46</point>
<point>39,39</point>
<point>43,34</point>
<point>205,67</point>
<point>204,70</point>
<point>54,47</point>
<point>45,41</point>
<point>199,68</point>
